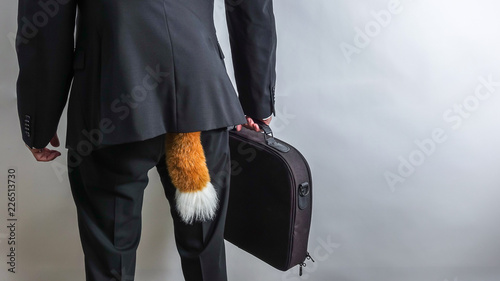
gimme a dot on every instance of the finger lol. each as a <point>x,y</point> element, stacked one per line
<point>46,155</point>
<point>248,127</point>
<point>40,156</point>
<point>55,141</point>
<point>253,127</point>
<point>49,156</point>
<point>53,155</point>
<point>238,128</point>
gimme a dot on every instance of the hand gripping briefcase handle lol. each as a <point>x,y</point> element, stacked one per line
<point>269,137</point>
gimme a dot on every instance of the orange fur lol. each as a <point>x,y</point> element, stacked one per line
<point>186,161</point>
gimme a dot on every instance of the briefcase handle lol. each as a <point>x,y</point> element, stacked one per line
<point>269,137</point>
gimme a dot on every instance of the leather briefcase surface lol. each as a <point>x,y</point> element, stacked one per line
<point>270,198</point>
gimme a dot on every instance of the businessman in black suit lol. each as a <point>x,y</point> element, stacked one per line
<point>138,70</point>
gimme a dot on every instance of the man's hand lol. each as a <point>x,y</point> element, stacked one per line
<point>45,154</point>
<point>252,125</point>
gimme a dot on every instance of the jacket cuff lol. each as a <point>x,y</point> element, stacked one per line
<point>267,117</point>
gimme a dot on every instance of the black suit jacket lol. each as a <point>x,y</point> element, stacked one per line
<point>139,69</point>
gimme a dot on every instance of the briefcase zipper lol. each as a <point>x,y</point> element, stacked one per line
<point>303,264</point>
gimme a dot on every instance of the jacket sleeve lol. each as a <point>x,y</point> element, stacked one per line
<point>44,46</point>
<point>252,35</point>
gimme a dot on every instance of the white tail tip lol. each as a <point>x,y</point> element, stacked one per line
<point>197,206</point>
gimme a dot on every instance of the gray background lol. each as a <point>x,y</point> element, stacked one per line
<point>356,118</point>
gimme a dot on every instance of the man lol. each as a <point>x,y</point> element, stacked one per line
<point>138,71</point>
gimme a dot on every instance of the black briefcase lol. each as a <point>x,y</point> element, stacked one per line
<point>270,198</point>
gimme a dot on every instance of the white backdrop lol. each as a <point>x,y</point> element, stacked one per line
<point>395,104</point>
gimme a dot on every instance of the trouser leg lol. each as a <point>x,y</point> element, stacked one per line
<point>201,244</point>
<point>108,187</point>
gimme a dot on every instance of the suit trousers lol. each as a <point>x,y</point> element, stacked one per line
<point>108,187</point>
